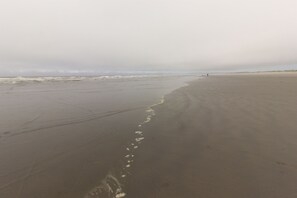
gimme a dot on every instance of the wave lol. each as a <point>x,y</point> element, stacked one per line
<point>20,79</point>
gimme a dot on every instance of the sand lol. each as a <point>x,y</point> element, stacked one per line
<point>62,139</point>
<point>219,137</point>
<point>222,136</point>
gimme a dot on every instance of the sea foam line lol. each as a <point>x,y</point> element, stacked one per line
<point>111,186</point>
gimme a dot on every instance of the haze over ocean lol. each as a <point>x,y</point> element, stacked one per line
<point>76,36</point>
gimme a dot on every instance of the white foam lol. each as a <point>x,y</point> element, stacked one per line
<point>139,139</point>
<point>149,110</point>
<point>110,182</point>
<point>148,119</point>
<point>22,79</point>
<point>120,195</point>
<point>138,132</point>
<point>110,185</point>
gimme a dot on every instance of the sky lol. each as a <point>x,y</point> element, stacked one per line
<point>144,35</point>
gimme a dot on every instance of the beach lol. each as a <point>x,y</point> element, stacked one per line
<point>158,137</point>
<point>66,137</point>
<point>222,136</point>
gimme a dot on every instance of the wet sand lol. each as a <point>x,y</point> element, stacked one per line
<point>69,138</point>
<point>222,136</point>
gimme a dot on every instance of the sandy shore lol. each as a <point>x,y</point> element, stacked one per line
<point>69,139</point>
<point>223,136</point>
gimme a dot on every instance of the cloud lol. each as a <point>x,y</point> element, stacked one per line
<point>146,35</point>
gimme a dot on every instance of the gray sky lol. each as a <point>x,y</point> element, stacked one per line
<point>85,35</point>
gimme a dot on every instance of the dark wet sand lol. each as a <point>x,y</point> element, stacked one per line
<point>222,137</point>
<point>61,139</point>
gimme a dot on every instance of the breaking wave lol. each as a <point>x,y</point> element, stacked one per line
<point>20,79</point>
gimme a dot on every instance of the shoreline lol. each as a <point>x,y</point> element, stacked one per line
<point>63,139</point>
<point>217,136</point>
<point>223,136</point>
<point>113,183</point>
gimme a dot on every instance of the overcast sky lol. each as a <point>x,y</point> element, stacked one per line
<point>85,35</point>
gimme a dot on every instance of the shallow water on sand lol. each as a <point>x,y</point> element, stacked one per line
<point>74,138</point>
